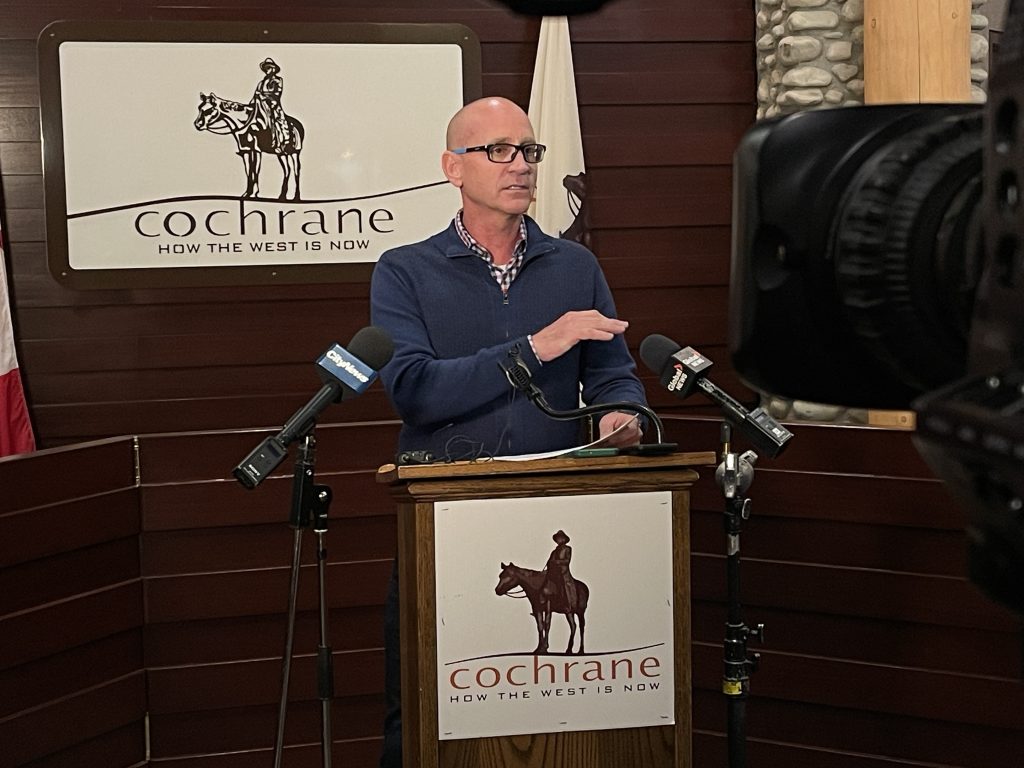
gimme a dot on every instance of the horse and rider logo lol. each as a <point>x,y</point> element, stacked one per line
<point>258,126</point>
<point>552,590</point>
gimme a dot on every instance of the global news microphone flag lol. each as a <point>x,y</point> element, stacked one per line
<point>15,428</point>
<point>556,119</point>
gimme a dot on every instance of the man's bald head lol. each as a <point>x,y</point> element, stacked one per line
<point>492,192</point>
<point>473,122</point>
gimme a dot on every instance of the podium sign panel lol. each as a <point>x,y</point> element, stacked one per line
<point>603,658</point>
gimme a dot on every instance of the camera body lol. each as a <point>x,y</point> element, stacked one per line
<point>854,257</point>
<point>878,262</point>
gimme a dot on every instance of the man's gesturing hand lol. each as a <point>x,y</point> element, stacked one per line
<point>573,327</point>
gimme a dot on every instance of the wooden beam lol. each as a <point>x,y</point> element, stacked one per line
<point>917,51</point>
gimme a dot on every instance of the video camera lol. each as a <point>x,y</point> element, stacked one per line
<point>878,262</point>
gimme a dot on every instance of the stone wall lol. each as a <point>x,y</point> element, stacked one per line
<point>810,54</point>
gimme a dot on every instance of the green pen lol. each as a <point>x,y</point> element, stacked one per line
<point>586,453</point>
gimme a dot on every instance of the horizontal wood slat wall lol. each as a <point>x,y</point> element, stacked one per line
<point>147,583</point>
<point>72,676</point>
<point>879,651</point>
<point>216,564</point>
<point>665,90</point>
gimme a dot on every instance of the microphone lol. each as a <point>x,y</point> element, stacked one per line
<point>520,378</point>
<point>679,368</point>
<point>684,370</point>
<point>345,373</point>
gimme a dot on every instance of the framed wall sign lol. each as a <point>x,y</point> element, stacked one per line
<point>185,153</point>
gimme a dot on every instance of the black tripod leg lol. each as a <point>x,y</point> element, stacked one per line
<point>308,501</point>
<point>286,662</point>
<point>324,657</point>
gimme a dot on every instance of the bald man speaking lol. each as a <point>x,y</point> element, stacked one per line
<point>459,302</point>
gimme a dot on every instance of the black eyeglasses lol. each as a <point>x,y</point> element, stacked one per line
<point>506,153</point>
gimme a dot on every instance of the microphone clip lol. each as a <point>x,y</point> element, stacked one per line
<point>519,375</point>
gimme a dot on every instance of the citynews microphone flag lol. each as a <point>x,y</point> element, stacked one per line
<point>555,116</point>
<point>15,428</point>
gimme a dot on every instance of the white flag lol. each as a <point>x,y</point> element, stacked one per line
<point>558,207</point>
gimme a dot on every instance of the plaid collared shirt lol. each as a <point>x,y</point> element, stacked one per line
<point>502,275</point>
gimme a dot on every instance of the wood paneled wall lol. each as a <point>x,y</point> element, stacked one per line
<point>137,581</point>
<point>879,652</point>
<point>216,565</point>
<point>665,93</point>
<point>72,675</point>
<point>141,592</point>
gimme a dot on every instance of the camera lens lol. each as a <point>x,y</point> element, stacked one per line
<point>858,231</point>
<point>906,249</point>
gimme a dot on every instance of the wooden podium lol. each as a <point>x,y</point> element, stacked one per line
<point>417,488</point>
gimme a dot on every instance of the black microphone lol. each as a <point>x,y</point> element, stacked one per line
<point>345,373</point>
<point>684,371</point>
<point>679,368</point>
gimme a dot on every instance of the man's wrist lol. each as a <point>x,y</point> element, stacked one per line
<point>529,338</point>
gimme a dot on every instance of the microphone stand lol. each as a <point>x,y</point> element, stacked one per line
<point>734,475</point>
<point>309,509</point>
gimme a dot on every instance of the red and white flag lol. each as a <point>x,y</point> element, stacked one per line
<point>15,428</point>
<point>554,113</point>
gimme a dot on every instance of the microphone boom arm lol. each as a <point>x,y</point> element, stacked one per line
<point>520,378</point>
<point>638,408</point>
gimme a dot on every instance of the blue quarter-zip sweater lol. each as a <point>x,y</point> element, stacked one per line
<point>452,326</point>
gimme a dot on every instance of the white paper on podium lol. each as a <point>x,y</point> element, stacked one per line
<point>562,452</point>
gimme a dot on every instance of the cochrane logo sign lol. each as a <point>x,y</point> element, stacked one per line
<point>273,167</point>
<point>588,645</point>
